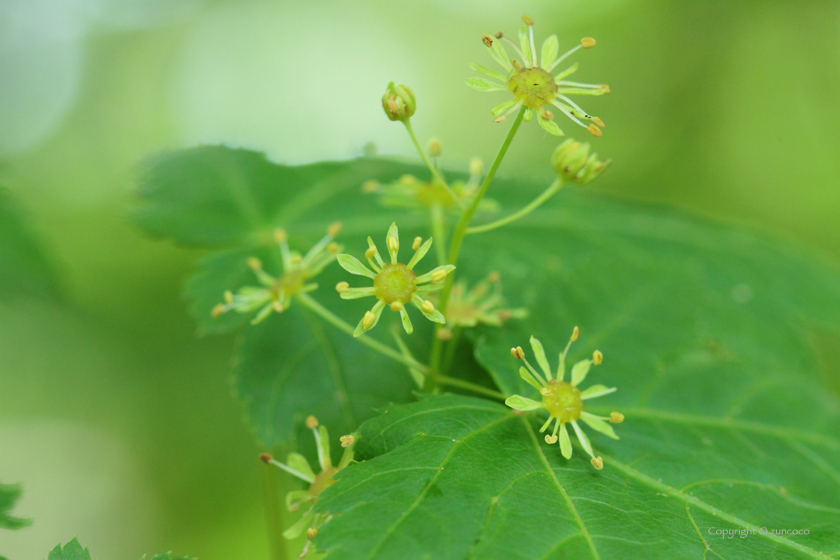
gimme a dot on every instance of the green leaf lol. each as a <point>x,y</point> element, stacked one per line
<point>9,494</point>
<point>25,269</point>
<point>461,478</point>
<point>71,551</point>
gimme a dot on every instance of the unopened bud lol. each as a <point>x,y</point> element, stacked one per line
<point>527,20</point>
<point>434,148</point>
<point>587,42</point>
<point>334,228</point>
<point>398,102</point>
<point>597,357</point>
<point>616,417</point>
<point>417,242</point>
<point>311,422</point>
<point>573,163</point>
<point>597,462</point>
<point>347,441</point>
<point>342,287</point>
<point>517,353</point>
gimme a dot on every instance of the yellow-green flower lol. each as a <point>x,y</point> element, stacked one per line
<point>563,400</point>
<point>532,83</point>
<point>483,304</point>
<point>410,192</point>
<point>275,292</point>
<point>297,465</point>
<point>394,284</point>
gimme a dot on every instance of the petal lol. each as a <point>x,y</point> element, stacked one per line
<point>297,496</point>
<point>298,462</point>
<point>352,265</point>
<point>447,268</point>
<point>565,442</point>
<point>598,424</point>
<point>502,107</point>
<point>550,48</point>
<point>550,126</point>
<point>421,252</point>
<point>528,114</point>
<point>579,371</point>
<point>517,402</point>
<point>261,316</point>
<point>356,293</point>
<point>530,379</point>
<point>525,45</point>
<point>539,353</point>
<point>499,54</point>
<point>584,441</point>
<point>567,72</point>
<point>484,85</point>
<point>596,391</point>
<point>406,321</point>
<point>488,72</point>
<point>322,441</point>
<point>377,312</point>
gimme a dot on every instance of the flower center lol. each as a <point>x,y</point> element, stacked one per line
<point>533,86</point>
<point>562,400</point>
<point>435,194</point>
<point>289,283</point>
<point>395,282</point>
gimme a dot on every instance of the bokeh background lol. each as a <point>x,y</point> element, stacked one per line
<point>114,415</point>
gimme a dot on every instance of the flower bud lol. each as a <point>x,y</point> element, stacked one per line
<point>398,102</point>
<point>573,163</point>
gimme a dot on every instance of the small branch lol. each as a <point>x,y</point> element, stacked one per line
<point>546,194</point>
<point>454,382</point>
<point>435,171</point>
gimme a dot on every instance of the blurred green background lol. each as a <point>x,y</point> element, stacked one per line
<point>117,419</point>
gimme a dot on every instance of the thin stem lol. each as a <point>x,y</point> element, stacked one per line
<point>339,323</point>
<point>455,247</point>
<point>439,233</point>
<point>546,194</point>
<point>451,346</point>
<point>276,544</point>
<point>454,382</point>
<point>435,171</point>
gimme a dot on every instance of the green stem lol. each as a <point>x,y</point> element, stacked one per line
<point>435,171</point>
<point>339,323</point>
<point>276,544</point>
<point>455,247</point>
<point>451,346</point>
<point>439,233</point>
<point>546,194</point>
<point>454,382</point>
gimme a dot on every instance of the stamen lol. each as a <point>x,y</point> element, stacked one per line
<point>218,311</point>
<point>499,34</point>
<point>547,423</point>
<point>587,43</point>
<point>342,287</point>
<point>616,417</point>
<point>311,422</point>
<point>494,277</point>
<point>277,306</point>
<point>444,334</point>
<point>393,244</point>
<point>527,20</point>
<point>266,458</point>
<point>370,252</point>
<point>550,439</point>
<point>517,353</point>
<point>439,275</point>
<point>476,167</point>
<point>597,357</point>
<point>348,440</point>
<point>311,532</point>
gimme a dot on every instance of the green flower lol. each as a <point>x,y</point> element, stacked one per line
<point>573,162</point>
<point>394,284</point>
<point>410,192</point>
<point>563,400</point>
<point>275,292</point>
<point>297,465</point>
<point>532,83</point>
<point>483,304</point>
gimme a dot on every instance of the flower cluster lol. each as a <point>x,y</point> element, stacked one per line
<point>297,465</point>
<point>531,81</point>
<point>275,292</point>
<point>483,304</point>
<point>563,400</point>
<point>394,284</point>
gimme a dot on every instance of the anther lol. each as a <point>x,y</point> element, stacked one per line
<point>499,119</point>
<point>575,334</point>
<point>370,252</point>
<point>217,311</point>
<point>228,297</point>
<point>368,320</point>
<point>550,439</point>
<point>599,122</point>
<point>266,458</point>
<point>597,357</point>
<point>517,353</point>
<point>311,532</point>
<point>434,147</point>
<point>594,131</point>
<point>296,259</point>
<point>370,186</point>
<point>527,20</point>
<point>604,87</point>
<point>254,263</point>
<point>277,306</point>
<point>417,241</point>
<point>311,422</point>
<point>499,34</point>
<point>334,228</point>
<point>476,167</point>
<point>393,244</point>
<point>342,287</point>
<point>438,276</point>
<point>487,39</point>
<point>503,315</point>
<point>397,306</point>
<point>616,417</point>
<point>348,440</point>
<point>427,307</point>
<point>280,235</point>
<point>494,277</point>
<point>544,391</point>
<point>332,248</point>
<point>547,115</point>
<point>444,334</point>
<point>597,462</point>
<point>516,64</point>
<point>587,42</point>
